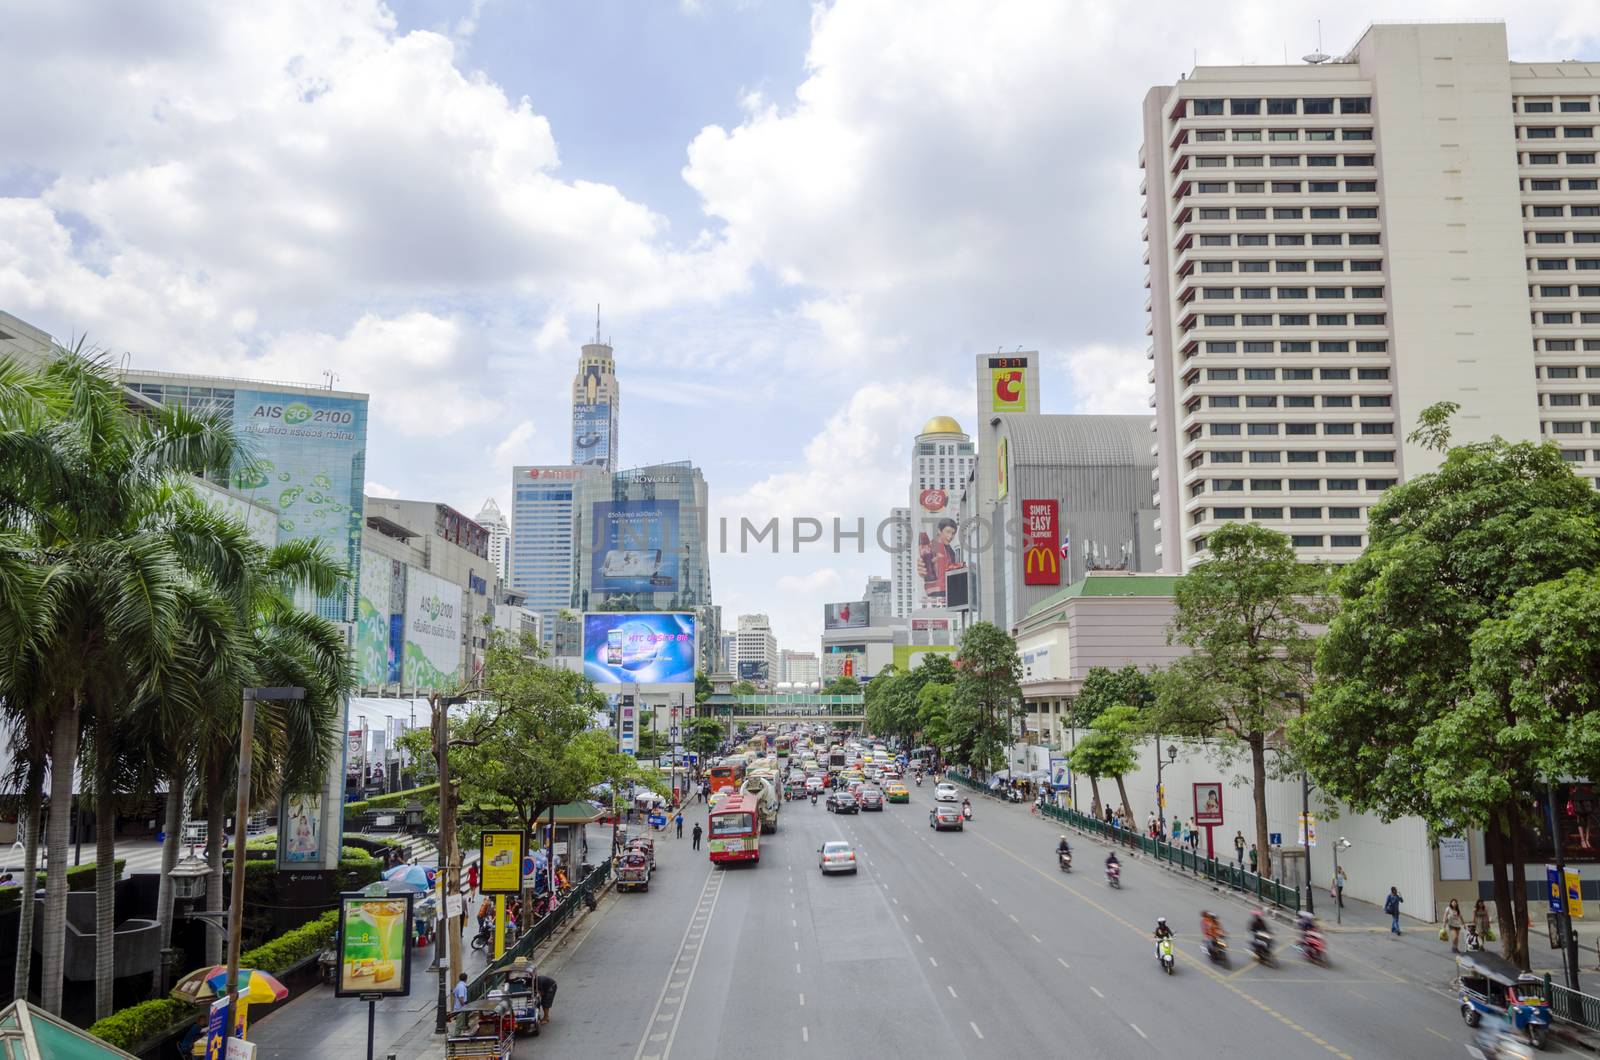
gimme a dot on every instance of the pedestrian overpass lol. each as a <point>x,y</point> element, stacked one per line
<point>785,707</point>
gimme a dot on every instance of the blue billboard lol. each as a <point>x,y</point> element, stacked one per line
<point>307,455</point>
<point>636,547</point>
<point>591,435</point>
<point>639,647</point>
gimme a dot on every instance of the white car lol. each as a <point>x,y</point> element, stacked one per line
<point>946,793</point>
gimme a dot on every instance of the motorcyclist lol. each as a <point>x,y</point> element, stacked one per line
<point>1112,862</point>
<point>1163,931</point>
<point>1063,847</point>
<point>1258,927</point>
<point>1210,926</point>
<point>1310,937</point>
<point>966,807</point>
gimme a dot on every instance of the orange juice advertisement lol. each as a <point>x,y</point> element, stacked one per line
<point>373,955</point>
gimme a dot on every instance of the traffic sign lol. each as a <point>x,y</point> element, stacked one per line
<point>1274,839</point>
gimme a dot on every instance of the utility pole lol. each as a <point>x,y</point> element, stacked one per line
<point>1305,816</point>
<point>1569,938</point>
<point>449,940</point>
<point>247,726</point>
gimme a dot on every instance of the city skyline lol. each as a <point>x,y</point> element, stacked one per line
<point>737,274</point>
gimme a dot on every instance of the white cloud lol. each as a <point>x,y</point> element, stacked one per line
<point>513,448</point>
<point>378,489</point>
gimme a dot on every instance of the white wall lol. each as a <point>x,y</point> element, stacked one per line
<point>1380,856</point>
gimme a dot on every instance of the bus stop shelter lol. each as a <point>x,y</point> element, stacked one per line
<point>28,1033</point>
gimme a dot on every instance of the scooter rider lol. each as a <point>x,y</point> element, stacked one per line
<point>1162,932</point>
<point>1210,926</point>
<point>966,808</point>
<point>1063,847</point>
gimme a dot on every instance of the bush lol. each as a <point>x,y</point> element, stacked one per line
<point>79,878</point>
<point>289,949</point>
<point>393,801</point>
<point>139,1024</point>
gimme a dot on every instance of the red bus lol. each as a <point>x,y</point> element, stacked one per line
<point>735,833</point>
<point>729,773</point>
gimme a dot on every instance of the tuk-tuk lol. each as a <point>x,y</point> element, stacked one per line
<point>516,985</point>
<point>633,871</point>
<point>645,846</point>
<point>1493,986</point>
<point>481,1030</point>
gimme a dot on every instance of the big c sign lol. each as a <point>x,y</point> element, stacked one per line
<point>1041,540</point>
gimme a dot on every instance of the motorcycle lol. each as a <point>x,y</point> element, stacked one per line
<point>919,780</point>
<point>1261,947</point>
<point>813,798</point>
<point>1217,950</point>
<point>966,811</point>
<point>1164,955</point>
<point>1064,859</point>
<point>1114,876</point>
<point>1314,947</point>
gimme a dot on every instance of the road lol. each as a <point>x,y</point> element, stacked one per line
<point>962,944</point>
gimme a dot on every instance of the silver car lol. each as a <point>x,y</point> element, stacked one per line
<point>946,793</point>
<point>836,856</point>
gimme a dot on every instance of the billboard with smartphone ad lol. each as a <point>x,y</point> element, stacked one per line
<point>636,547</point>
<point>645,648</point>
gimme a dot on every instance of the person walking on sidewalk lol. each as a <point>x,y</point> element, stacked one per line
<point>1338,886</point>
<point>1453,923</point>
<point>460,992</point>
<point>1238,847</point>
<point>697,835</point>
<point>1391,905</point>
<point>1480,920</point>
<point>1255,859</point>
<point>678,820</point>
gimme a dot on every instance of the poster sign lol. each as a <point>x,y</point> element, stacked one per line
<point>1058,774</point>
<point>300,839</point>
<point>1003,468</point>
<point>374,959</point>
<point>1010,387</point>
<point>1208,803</point>
<point>636,547</point>
<point>1307,829</point>
<point>433,632</point>
<point>1041,557</point>
<point>591,433</point>
<point>1455,858</point>
<point>500,863</point>
<point>851,614</point>
<point>639,648</point>
<point>239,1049</point>
<point>217,1029</point>
<point>1574,892</point>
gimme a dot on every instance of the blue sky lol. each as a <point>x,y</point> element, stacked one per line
<point>802,221</point>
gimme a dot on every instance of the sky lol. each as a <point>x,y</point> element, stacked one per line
<point>801,222</point>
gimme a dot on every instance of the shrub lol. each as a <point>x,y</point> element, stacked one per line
<point>79,878</point>
<point>134,1026</point>
<point>289,949</point>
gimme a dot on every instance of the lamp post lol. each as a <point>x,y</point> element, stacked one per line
<point>247,725</point>
<point>1310,836</point>
<point>1161,795</point>
<point>450,859</point>
<point>188,878</point>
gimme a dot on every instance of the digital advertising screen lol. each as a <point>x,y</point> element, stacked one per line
<point>753,670</point>
<point>500,862</point>
<point>374,958</point>
<point>639,647</point>
<point>851,614</point>
<point>636,547</point>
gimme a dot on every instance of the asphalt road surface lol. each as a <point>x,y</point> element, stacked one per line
<point>963,944</point>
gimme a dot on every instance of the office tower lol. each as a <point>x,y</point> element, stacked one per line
<point>941,457</point>
<point>596,402</point>
<point>542,544</point>
<point>755,650</point>
<point>494,521</point>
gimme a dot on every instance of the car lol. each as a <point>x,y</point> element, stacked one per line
<point>814,785</point>
<point>897,792</point>
<point>842,802</point>
<point>836,856</point>
<point>946,793</point>
<point>944,816</point>
<point>870,799</point>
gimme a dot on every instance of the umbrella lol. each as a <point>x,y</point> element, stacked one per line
<point>206,984</point>
<point>418,876</point>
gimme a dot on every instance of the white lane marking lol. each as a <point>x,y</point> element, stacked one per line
<point>979,886</point>
<point>712,888</point>
<point>797,945</point>
<point>1034,937</point>
<point>1097,992</point>
<point>794,923</point>
<point>933,962</point>
<point>950,988</point>
<point>905,918</point>
<point>1059,961</point>
<point>805,1035</point>
<point>802,1001</point>
<point>975,1029</point>
<point>1014,919</point>
<point>797,969</point>
<point>896,901</point>
<point>1141,1034</point>
<point>963,875</point>
<point>919,938</point>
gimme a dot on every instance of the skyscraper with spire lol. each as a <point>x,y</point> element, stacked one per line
<point>596,400</point>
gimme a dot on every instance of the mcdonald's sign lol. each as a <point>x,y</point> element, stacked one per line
<point>1041,543</point>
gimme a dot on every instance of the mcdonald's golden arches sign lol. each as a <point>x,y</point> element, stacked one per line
<point>1041,543</point>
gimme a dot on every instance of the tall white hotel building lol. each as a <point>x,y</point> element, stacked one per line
<point>1334,247</point>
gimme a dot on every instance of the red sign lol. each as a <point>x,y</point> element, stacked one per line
<point>1041,532</point>
<point>553,472</point>
<point>933,500</point>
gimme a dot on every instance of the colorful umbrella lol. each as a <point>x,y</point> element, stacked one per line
<point>418,876</point>
<point>206,984</point>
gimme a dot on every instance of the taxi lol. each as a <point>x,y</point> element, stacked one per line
<point>897,792</point>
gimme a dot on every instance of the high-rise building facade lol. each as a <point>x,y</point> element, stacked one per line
<point>798,668</point>
<point>542,543</point>
<point>755,651</point>
<point>941,457</point>
<point>492,519</point>
<point>1333,248</point>
<point>596,403</point>
<point>879,595</point>
<point>902,562</point>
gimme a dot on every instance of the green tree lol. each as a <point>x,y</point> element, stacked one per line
<point>1104,688</point>
<point>703,688</point>
<point>842,686</point>
<point>1249,614</point>
<point>1448,685</point>
<point>703,735</point>
<point>986,693</point>
<point>933,714</point>
<point>1108,750</point>
<point>745,688</point>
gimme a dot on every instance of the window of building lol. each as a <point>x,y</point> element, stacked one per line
<point>1267,485</point>
<point>1261,430</point>
<point>1207,108</point>
<point>1282,135</point>
<point>1211,188</point>
<point>1285,160</point>
<point>1355,105</point>
<point>1549,237</point>
<point>1222,374</point>
<point>1341,456</point>
<point>1251,213</point>
<point>1305,484</point>
<point>1265,456</point>
<point>1206,136</point>
<point>1552,264</point>
<point>1297,456</point>
<point>1372,373</point>
<point>1213,214</point>
<point>1258,347</point>
<point>1258,239</point>
<point>1287,213</point>
<point>1300,430</point>
<point>1227,513</point>
<point>1332,319</point>
<point>1560,345</point>
<point>1337,401</point>
<point>1564,400</point>
<point>1223,401</point>
<point>1363,239</point>
<point>1373,346</point>
<point>1331,266</point>
<point>1216,266</point>
<point>1321,187</point>
<point>1210,162</point>
<point>1296,374</point>
<point>1586,211</point>
<point>1343,484</point>
<point>1249,187</point>
<point>1345,540</point>
<point>1228,485</point>
<point>1566,427</point>
<point>1266,513</point>
<point>1305,513</point>
<point>1318,106</point>
<point>1560,372</point>
<point>1227,458</point>
<point>1584,264</point>
<point>1245,106</point>
<point>1358,134</point>
<point>1225,430</point>
<point>1548,290</point>
<point>1378,485</point>
<point>1542,159</point>
<point>1336,373</point>
<point>1366,292</point>
<point>1365,186</point>
<point>1286,187</point>
<point>1586,237</point>
<point>1283,106</point>
<point>1557,318</point>
<point>1257,320</point>
<point>1368,320</point>
<point>1574,106</point>
<point>1330,292</point>
<point>1366,266</point>
<point>1260,373</point>
<point>1216,241</point>
<point>1221,347</point>
<point>1247,161</point>
<point>1586,184</point>
<point>1216,292</point>
<point>1294,320</point>
<point>1579,132</point>
<point>1253,266</point>
<point>1544,185</point>
<point>1338,428</point>
<point>1547,211</point>
<point>1537,106</point>
<point>1547,132</point>
<point>1325,213</point>
<point>1322,160</point>
<point>1261,401</point>
<point>1374,401</point>
<point>1292,292</point>
<point>1358,160</point>
<point>1377,428</point>
<point>1326,239</point>
<point>1319,134</point>
<point>1298,401</point>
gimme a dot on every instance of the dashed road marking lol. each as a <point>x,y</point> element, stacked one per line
<point>1097,992</point>
<point>802,1001</point>
<point>975,1029</point>
<point>950,988</point>
<point>805,1035</point>
<point>933,962</point>
<point>1014,919</point>
<point>919,938</point>
<point>1034,937</point>
<point>686,963</point>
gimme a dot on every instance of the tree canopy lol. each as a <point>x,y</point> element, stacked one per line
<point>987,695</point>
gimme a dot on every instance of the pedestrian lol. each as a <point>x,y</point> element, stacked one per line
<point>1480,920</point>
<point>1453,923</point>
<point>1338,887</point>
<point>1391,905</point>
<point>1254,857</point>
<point>1177,831</point>
<point>1238,847</point>
<point>678,820</point>
<point>472,881</point>
<point>1150,824</point>
<point>460,991</point>
<point>696,835</point>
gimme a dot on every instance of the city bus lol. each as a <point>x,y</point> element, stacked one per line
<point>735,832</point>
<point>728,773</point>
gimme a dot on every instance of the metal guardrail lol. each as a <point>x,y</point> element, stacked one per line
<point>1573,1006</point>
<point>1224,873</point>
<point>542,928</point>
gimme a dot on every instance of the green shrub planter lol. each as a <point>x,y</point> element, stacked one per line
<point>79,878</point>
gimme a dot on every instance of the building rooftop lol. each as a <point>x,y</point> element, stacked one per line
<point>1110,583</point>
<point>942,425</point>
<point>1078,441</point>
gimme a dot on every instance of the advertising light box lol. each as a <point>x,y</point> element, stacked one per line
<point>651,649</point>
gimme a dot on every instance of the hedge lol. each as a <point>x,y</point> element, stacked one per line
<point>141,1023</point>
<point>393,800</point>
<point>79,878</point>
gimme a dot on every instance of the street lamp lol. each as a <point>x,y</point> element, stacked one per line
<point>188,878</point>
<point>1161,801</point>
<point>247,726</point>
